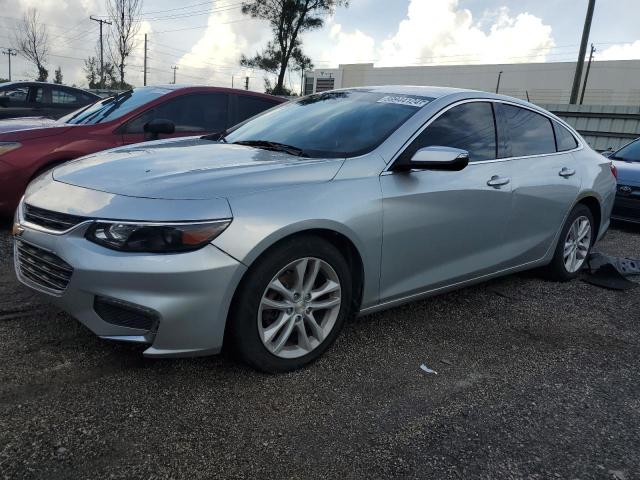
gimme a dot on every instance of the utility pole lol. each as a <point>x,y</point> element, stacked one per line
<point>100,21</point>
<point>575,89</point>
<point>301,81</point>
<point>10,52</point>
<point>144,77</point>
<point>246,83</point>
<point>231,81</point>
<point>586,74</point>
<point>175,67</point>
<point>498,85</point>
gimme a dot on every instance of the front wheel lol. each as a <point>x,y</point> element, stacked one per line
<point>291,305</point>
<point>575,242</point>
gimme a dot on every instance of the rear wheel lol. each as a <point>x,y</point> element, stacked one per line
<point>574,244</point>
<point>291,305</point>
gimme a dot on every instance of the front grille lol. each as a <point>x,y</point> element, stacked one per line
<point>125,314</point>
<point>56,221</point>
<point>42,267</point>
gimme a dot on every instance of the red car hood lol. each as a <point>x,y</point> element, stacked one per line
<point>18,129</point>
<point>23,123</point>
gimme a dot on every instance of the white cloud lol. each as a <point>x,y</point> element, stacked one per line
<point>439,31</point>
<point>216,56</point>
<point>624,51</point>
<point>354,47</point>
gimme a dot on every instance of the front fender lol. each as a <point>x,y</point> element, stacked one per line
<point>352,208</point>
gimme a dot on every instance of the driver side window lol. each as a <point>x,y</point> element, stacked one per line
<point>190,113</point>
<point>469,126</point>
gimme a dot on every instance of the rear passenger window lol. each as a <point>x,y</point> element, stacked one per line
<point>529,133</point>
<point>469,126</point>
<point>60,96</point>
<point>564,139</point>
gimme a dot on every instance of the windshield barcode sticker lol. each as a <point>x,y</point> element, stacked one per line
<point>400,100</point>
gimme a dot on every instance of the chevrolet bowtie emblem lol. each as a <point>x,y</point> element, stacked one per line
<point>17,230</point>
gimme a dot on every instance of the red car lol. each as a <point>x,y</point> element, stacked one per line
<point>29,146</point>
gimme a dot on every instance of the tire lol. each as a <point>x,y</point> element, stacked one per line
<point>254,317</point>
<point>558,270</point>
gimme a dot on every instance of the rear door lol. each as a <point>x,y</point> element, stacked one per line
<point>545,180</point>
<point>441,228</point>
<point>192,114</point>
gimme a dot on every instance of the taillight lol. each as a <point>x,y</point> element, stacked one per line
<point>614,170</point>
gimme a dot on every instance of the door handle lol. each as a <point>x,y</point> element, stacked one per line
<point>566,172</point>
<point>497,181</point>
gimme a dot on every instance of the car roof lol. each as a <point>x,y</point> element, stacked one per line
<point>438,92</point>
<point>30,83</point>
<point>424,91</point>
<point>208,88</point>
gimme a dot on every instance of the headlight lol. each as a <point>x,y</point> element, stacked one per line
<point>8,146</point>
<point>155,237</point>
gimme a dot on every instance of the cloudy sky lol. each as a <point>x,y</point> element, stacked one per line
<point>205,38</point>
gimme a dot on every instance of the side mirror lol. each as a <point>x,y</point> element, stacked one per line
<point>437,158</point>
<point>155,127</point>
<point>607,153</point>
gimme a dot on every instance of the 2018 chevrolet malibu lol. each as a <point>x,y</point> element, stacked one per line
<point>346,201</point>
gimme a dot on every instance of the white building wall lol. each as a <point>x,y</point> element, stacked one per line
<point>610,82</point>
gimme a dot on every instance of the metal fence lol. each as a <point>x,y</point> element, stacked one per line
<point>602,126</point>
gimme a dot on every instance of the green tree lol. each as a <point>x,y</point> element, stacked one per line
<point>288,20</point>
<point>92,74</point>
<point>57,76</point>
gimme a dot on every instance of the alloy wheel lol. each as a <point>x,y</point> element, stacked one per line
<point>576,244</point>
<point>299,307</point>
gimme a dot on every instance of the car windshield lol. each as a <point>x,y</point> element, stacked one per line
<point>113,107</point>
<point>630,152</point>
<point>331,124</point>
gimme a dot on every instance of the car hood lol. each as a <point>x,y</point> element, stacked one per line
<point>192,169</point>
<point>23,123</point>
<point>628,172</point>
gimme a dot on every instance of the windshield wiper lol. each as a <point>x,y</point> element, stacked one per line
<point>275,146</point>
<point>114,103</point>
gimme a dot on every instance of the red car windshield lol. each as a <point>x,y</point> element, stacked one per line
<point>113,107</point>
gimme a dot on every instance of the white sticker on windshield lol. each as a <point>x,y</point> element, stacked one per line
<point>400,100</point>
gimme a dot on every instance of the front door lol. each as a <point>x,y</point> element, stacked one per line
<point>442,228</point>
<point>192,114</point>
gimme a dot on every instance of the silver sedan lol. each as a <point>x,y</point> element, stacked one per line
<point>271,235</point>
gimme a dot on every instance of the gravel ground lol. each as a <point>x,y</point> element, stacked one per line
<point>535,380</point>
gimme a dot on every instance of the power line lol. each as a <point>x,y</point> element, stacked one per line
<point>10,52</point>
<point>100,21</point>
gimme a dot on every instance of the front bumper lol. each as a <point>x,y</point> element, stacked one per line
<point>190,293</point>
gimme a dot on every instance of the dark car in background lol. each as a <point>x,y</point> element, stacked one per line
<point>29,147</point>
<point>41,99</point>
<point>627,162</point>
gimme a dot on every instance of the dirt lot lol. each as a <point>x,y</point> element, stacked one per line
<point>535,380</point>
